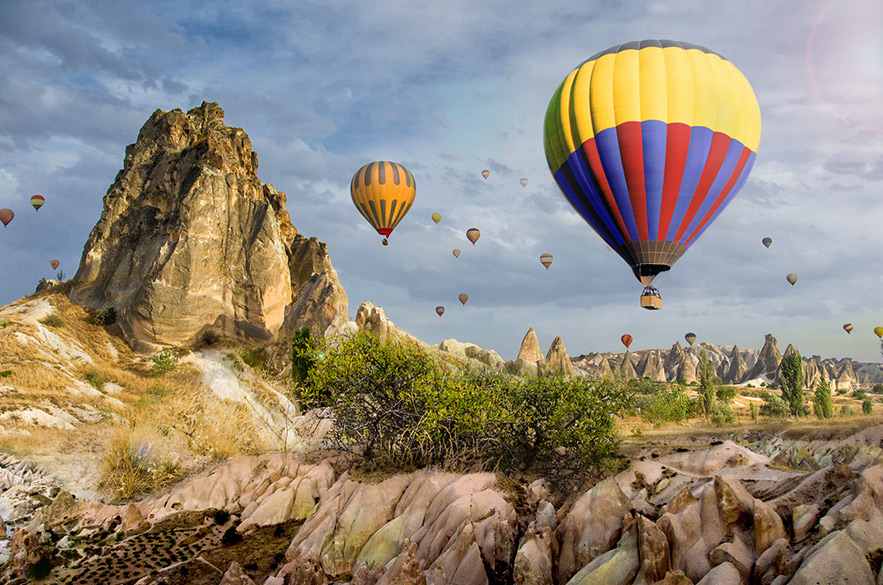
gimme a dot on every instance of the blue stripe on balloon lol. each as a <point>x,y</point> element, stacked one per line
<point>700,144</point>
<point>577,204</point>
<point>734,150</point>
<point>746,170</point>
<point>611,159</point>
<point>579,167</point>
<point>653,136</point>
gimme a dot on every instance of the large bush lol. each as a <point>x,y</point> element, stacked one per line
<point>822,402</point>
<point>669,405</point>
<point>396,405</point>
<point>791,382</point>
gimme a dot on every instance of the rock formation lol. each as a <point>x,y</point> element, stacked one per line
<point>768,361</point>
<point>192,243</point>
<point>737,368</point>
<point>530,347</point>
<point>557,360</point>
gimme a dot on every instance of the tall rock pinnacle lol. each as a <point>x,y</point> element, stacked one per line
<point>191,241</point>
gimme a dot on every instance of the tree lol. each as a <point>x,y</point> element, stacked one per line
<point>867,406</point>
<point>791,372</point>
<point>822,404</point>
<point>707,390</point>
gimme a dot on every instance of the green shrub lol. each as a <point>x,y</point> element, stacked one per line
<point>669,405</point>
<point>399,406</point>
<point>722,413</point>
<point>753,409</point>
<point>726,393</point>
<point>859,394</point>
<point>847,410</point>
<point>253,357</point>
<point>302,357</point>
<point>220,516</point>
<point>52,320</point>
<point>163,362</point>
<point>5,373</point>
<point>822,404</point>
<point>877,389</point>
<point>231,536</point>
<point>774,407</point>
<point>867,406</point>
<point>106,316</point>
<point>96,378</point>
<point>4,324</point>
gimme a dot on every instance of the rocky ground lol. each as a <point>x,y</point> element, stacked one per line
<point>770,505</point>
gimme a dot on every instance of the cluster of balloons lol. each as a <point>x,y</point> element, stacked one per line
<point>7,215</point>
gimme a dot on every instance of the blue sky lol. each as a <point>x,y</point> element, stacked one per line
<point>449,89</point>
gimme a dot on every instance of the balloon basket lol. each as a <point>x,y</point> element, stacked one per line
<point>650,299</point>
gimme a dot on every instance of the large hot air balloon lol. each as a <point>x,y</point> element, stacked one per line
<point>767,242</point>
<point>847,327</point>
<point>37,201</point>
<point>456,252</point>
<point>626,340</point>
<point>383,192</point>
<point>54,264</point>
<point>792,278</point>
<point>485,173</point>
<point>463,298</point>
<point>523,182</point>
<point>546,260</point>
<point>473,234</point>
<point>436,217</point>
<point>440,310</point>
<point>878,331</point>
<point>690,337</point>
<point>6,216</point>
<point>649,141</point>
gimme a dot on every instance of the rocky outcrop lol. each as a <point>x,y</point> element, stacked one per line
<point>737,369</point>
<point>530,347</point>
<point>679,366</point>
<point>650,366</point>
<point>767,362</point>
<point>557,360</point>
<point>191,243</point>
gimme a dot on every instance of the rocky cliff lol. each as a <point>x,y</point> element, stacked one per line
<point>191,244</point>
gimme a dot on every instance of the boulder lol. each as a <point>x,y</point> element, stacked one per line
<point>235,576</point>
<point>834,561</point>
<point>723,574</point>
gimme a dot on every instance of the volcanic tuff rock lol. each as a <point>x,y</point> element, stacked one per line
<point>191,241</point>
<point>557,360</point>
<point>530,347</point>
<point>768,360</point>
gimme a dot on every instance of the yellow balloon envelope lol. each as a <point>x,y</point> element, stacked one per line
<point>383,192</point>
<point>485,173</point>
<point>436,217</point>
<point>878,331</point>
<point>546,260</point>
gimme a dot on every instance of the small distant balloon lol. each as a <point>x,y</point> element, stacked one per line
<point>436,217</point>
<point>6,216</point>
<point>690,337</point>
<point>485,173</point>
<point>37,201</point>
<point>473,234</point>
<point>54,264</point>
<point>878,331</point>
<point>456,252</point>
<point>546,260</point>
<point>523,182</point>
<point>847,327</point>
<point>626,340</point>
<point>440,310</point>
<point>792,278</point>
<point>463,298</point>
<point>767,242</point>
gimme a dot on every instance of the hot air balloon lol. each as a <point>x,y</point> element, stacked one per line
<point>54,264</point>
<point>485,173</point>
<point>463,298</point>
<point>473,234</point>
<point>626,340</point>
<point>6,216</point>
<point>436,217</point>
<point>546,260</point>
<point>440,310</point>
<point>383,192</point>
<point>523,182</point>
<point>456,252</point>
<point>878,331</point>
<point>37,201</point>
<point>690,337</point>
<point>847,327</point>
<point>649,141</point>
<point>767,242</point>
<point>792,278</point>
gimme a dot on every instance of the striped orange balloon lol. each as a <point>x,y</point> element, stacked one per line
<point>383,192</point>
<point>626,340</point>
<point>37,201</point>
<point>546,260</point>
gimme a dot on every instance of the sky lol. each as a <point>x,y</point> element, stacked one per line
<point>449,89</point>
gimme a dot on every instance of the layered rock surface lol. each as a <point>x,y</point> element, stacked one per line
<point>191,243</point>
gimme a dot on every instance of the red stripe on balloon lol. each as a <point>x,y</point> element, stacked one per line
<point>720,143</point>
<point>597,170</point>
<point>734,177</point>
<point>631,148</point>
<point>677,145</point>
